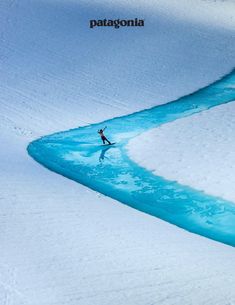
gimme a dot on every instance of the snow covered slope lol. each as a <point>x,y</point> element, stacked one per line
<point>197,151</point>
<point>214,13</point>
<point>64,244</point>
<point>54,66</point>
<point>60,242</point>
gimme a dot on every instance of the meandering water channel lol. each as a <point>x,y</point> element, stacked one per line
<point>108,170</point>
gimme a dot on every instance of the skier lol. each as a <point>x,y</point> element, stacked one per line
<point>103,137</point>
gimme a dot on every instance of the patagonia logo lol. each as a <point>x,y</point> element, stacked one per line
<point>117,23</point>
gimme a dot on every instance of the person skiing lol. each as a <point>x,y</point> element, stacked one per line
<point>103,137</point>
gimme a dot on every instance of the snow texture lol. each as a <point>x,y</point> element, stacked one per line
<point>62,243</point>
<point>196,151</point>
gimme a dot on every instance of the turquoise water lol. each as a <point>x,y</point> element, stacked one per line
<point>108,170</point>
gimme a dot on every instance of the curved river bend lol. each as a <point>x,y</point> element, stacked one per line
<point>108,170</point>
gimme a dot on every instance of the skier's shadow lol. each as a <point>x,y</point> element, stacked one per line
<point>102,156</point>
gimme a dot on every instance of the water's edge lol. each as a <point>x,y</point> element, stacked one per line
<point>108,170</point>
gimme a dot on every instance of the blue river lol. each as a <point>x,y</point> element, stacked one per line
<point>108,169</point>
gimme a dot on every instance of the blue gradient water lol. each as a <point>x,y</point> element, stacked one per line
<point>108,170</point>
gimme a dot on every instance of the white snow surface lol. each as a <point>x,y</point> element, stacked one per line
<point>60,242</point>
<point>197,151</point>
<point>216,13</point>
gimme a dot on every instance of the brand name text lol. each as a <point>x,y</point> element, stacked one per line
<point>117,23</point>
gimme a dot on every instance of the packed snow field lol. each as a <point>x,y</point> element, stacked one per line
<point>62,243</point>
<point>197,151</point>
